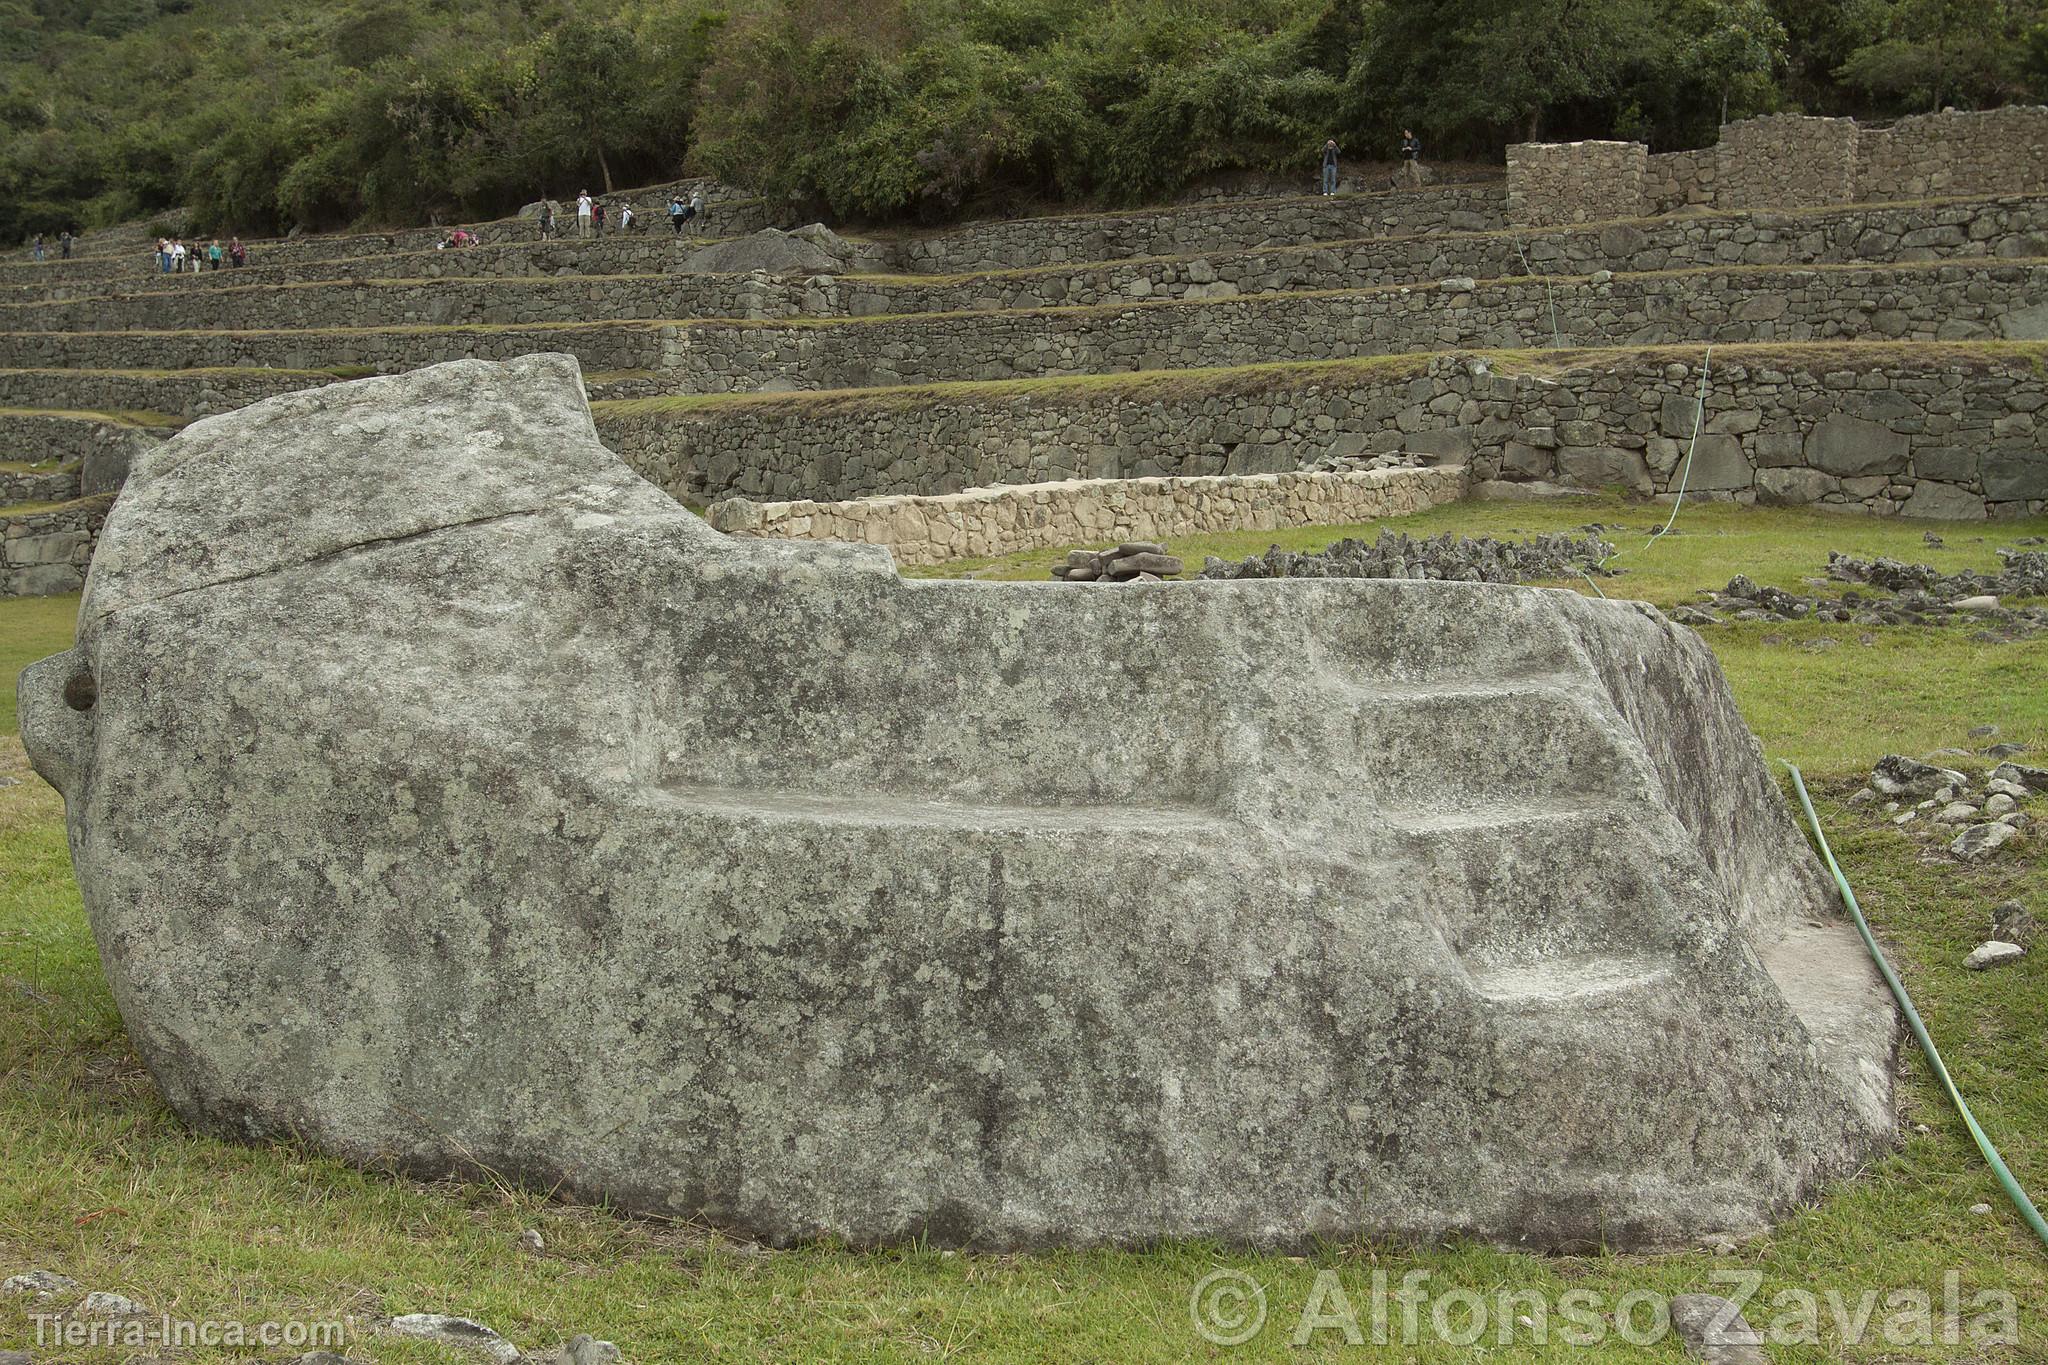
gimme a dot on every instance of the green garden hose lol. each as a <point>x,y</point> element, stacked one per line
<point>2019,1198</point>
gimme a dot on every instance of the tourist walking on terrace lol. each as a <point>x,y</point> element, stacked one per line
<point>583,207</point>
<point>177,255</point>
<point>39,246</point>
<point>215,255</point>
<point>163,256</point>
<point>238,255</point>
<point>1329,167</point>
<point>676,213</point>
<point>547,220</point>
<point>64,244</point>
<point>1411,156</point>
<point>696,204</point>
<point>597,217</point>
<point>625,217</point>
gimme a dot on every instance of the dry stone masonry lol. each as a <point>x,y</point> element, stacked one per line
<point>1236,338</point>
<point>982,523</point>
<point>1785,161</point>
<point>400,705</point>
<point>1953,434</point>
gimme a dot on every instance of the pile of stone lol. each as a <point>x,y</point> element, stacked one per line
<point>1988,818</point>
<point>1458,559</point>
<point>1134,561</point>
<point>2025,574</point>
<point>1364,464</point>
<point>1920,595</point>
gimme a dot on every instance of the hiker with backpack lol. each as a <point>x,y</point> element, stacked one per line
<point>547,221</point>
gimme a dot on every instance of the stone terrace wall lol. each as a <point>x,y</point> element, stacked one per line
<point>1223,226</point>
<point>48,552</point>
<point>635,253</point>
<point>66,437</point>
<point>1787,161</point>
<point>1575,182</point>
<point>39,485</point>
<point>599,346</point>
<point>1952,432</point>
<point>986,522</point>
<point>1673,181</point>
<point>1942,302</point>
<point>185,393</point>
<point>1790,161</point>
<point>2010,228</point>
<point>1939,302</point>
<point>1933,155</point>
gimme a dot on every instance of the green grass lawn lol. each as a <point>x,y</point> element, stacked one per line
<point>102,1184</point>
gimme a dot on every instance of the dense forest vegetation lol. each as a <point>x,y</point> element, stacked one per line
<point>258,115</point>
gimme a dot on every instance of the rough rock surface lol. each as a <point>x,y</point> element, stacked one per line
<point>772,250</point>
<point>443,793</point>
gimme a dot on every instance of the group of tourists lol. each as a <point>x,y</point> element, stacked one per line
<point>1411,162</point>
<point>593,215</point>
<point>64,241</point>
<point>174,257</point>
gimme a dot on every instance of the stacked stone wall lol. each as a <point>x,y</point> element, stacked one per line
<point>1964,230</point>
<point>1951,433</point>
<point>67,437</point>
<point>1676,181</point>
<point>184,393</point>
<point>1940,302</point>
<point>38,485</point>
<point>1996,151</point>
<point>1223,226</point>
<point>986,522</point>
<point>1787,161</point>
<point>43,553</point>
<point>1575,182</point>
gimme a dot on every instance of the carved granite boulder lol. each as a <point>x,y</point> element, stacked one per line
<point>445,794</point>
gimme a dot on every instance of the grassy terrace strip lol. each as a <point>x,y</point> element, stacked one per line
<point>1980,356</point>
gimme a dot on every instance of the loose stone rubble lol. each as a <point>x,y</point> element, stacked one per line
<point>1134,561</point>
<point>1945,802</point>
<point>1917,594</point>
<point>446,796</point>
<point>1453,558</point>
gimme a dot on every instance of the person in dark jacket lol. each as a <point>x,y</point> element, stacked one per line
<point>1411,156</point>
<point>1329,167</point>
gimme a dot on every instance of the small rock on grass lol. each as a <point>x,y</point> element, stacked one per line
<point>1979,842</point>
<point>2012,923</point>
<point>584,1349</point>
<point>1897,775</point>
<point>531,1240</point>
<point>455,1332</point>
<point>1714,1329</point>
<point>103,1303</point>
<point>16,1358</point>
<point>41,1283</point>
<point>1993,954</point>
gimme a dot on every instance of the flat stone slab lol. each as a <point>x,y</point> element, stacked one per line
<point>444,794</point>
